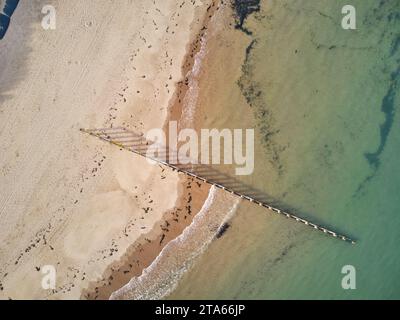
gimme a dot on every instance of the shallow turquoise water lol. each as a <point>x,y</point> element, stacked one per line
<point>325,103</point>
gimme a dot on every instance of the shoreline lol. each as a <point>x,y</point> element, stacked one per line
<point>141,254</point>
<point>191,195</point>
<point>217,96</point>
<point>161,278</point>
<point>176,112</point>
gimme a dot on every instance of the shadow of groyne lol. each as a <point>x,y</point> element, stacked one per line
<point>138,144</point>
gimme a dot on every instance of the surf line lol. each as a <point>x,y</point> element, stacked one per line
<point>102,135</point>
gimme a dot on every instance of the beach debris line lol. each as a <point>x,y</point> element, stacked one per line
<point>133,142</point>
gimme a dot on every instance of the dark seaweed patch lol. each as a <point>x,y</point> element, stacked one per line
<point>387,12</point>
<point>253,93</point>
<point>243,9</point>
<point>388,108</point>
<point>395,46</point>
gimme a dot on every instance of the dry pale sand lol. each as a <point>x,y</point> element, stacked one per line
<point>66,199</point>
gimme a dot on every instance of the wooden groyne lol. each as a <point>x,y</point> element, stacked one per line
<point>127,140</point>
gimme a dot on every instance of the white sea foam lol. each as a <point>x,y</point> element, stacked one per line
<point>191,96</point>
<point>163,275</point>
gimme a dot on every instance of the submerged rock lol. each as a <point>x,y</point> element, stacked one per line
<point>222,230</point>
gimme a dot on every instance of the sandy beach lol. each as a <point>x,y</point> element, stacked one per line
<point>99,215</point>
<point>195,99</point>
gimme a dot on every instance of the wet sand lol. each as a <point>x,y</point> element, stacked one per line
<point>145,250</point>
<point>191,197</point>
<point>192,103</point>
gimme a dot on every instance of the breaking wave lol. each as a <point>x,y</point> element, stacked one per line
<point>191,96</point>
<point>162,276</point>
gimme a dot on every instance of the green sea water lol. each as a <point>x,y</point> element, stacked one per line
<point>324,102</point>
